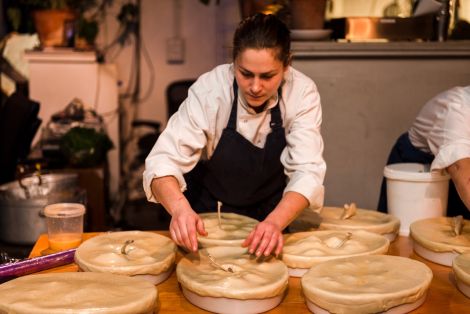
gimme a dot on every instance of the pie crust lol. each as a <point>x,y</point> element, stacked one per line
<point>73,293</point>
<point>235,229</point>
<point>435,240</point>
<point>303,250</point>
<point>147,255</point>
<point>366,284</point>
<point>364,219</point>
<point>260,281</point>
<point>461,268</point>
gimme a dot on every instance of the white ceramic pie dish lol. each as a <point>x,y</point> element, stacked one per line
<point>366,284</point>
<point>364,219</point>
<point>435,240</point>
<point>139,254</point>
<point>303,250</point>
<point>250,286</point>
<point>232,306</point>
<point>400,309</point>
<point>461,269</point>
<point>442,258</point>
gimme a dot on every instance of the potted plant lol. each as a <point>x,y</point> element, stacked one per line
<point>60,22</point>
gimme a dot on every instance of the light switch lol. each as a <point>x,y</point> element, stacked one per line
<point>175,50</point>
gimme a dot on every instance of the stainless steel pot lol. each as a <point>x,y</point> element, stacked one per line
<point>22,203</point>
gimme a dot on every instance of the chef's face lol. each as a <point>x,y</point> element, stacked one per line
<point>259,74</point>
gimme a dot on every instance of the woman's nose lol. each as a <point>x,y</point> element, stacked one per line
<point>255,85</point>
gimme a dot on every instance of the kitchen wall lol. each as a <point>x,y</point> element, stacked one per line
<point>207,33</point>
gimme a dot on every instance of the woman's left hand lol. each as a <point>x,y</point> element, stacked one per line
<point>265,238</point>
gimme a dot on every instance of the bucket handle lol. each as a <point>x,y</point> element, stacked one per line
<point>21,176</point>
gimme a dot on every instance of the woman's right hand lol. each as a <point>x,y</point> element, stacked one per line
<point>184,221</point>
<point>183,227</point>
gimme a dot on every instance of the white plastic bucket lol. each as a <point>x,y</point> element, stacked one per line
<point>415,193</point>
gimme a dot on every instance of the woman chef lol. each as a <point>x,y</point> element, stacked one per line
<point>248,135</point>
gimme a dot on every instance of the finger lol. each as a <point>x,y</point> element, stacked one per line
<point>192,238</point>
<point>263,244</point>
<point>179,239</point>
<point>185,236</point>
<point>248,239</point>
<point>173,236</point>
<point>280,245</point>
<point>200,227</point>
<point>272,244</point>
<point>258,235</point>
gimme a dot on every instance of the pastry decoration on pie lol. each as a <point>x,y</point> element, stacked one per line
<point>303,250</point>
<point>132,253</point>
<point>366,284</point>
<point>230,230</point>
<point>230,280</point>
<point>74,293</point>
<point>441,239</point>
<point>348,218</point>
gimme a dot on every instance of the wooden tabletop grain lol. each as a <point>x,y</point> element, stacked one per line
<point>443,296</point>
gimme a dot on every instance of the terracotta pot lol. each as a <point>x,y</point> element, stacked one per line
<point>307,14</point>
<point>49,25</point>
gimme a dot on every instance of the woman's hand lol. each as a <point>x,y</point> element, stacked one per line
<point>265,238</point>
<point>184,221</point>
<point>183,227</point>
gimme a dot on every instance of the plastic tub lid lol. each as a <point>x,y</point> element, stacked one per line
<point>64,210</point>
<point>414,172</point>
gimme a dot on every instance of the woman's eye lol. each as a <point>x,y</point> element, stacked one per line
<point>247,74</point>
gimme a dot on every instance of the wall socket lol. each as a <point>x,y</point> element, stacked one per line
<point>175,50</point>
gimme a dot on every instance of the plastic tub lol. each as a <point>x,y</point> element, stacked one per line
<point>415,193</point>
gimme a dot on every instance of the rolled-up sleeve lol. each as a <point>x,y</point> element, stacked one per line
<point>180,145</point>
<point>303,156</point>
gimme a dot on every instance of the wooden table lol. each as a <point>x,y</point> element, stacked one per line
<point>443,296</point>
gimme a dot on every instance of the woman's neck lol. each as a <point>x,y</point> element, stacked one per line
<point>259,109</point>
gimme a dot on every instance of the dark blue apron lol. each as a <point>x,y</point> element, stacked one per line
<point>404,151</point>
<point>248,180</point>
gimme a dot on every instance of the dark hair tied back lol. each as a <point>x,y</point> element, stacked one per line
<point>262,31</point>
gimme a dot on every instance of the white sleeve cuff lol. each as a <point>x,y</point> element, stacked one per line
<point>163,171</point>
<point>450,153</point>
<point>310,189</point>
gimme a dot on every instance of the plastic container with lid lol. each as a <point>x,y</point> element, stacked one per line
<point>64,225</point>
<point>414,192</point>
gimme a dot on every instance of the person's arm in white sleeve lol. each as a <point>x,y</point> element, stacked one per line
<point>460,174</point>
<point>177,151</point>
<point>303,156</point>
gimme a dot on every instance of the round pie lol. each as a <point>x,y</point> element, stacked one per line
<point>133,253</point>
<point>363,219</point>
<point>366,284</point>
<point>230,280</point>
<point>232,230</point>
<point>461,268</point>
<point>303,250</point>
<point>434,239</point>
<point>73,293</point>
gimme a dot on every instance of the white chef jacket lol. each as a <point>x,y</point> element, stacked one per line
<point>442,127</point>
<point>193,132</point>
